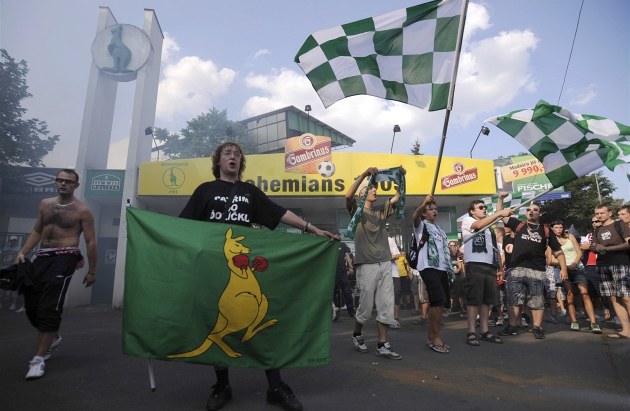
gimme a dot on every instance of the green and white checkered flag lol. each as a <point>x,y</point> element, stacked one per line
<point>405,55</point>
<point>569,145</point>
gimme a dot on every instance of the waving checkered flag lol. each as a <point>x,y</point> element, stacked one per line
<point>405,55</point>
<point>569,145</point>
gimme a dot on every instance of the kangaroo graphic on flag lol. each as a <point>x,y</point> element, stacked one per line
<point>242,305</point>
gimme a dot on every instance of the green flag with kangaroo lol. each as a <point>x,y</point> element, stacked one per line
<point>225,294</point>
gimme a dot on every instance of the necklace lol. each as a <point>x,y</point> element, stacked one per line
<point>65,205</point>
<point>531,230</point>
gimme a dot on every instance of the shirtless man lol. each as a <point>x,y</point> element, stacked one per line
<point>60,222</point>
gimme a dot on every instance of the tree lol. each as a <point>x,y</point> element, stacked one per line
<point>579,209</point>
<point>22,141</point>
<point>201,135</point>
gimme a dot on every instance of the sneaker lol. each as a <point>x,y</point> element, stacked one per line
<point>538,332</point>
<point>219,397</point>
<point>20,310</point>
<point>396,324</point>
<point>499,322</point>
<point>575,327</point>
<point>283,396</point>
<point>359,344</point>
<point>36,368</point>
<point>386,351</point>
<point>12,308</point>
<point>509,330</point>
<point>53,346</point>
<point>595,328</point>
<point>524,323</point>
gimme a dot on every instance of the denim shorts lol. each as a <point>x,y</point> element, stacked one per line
<point>578,275</point>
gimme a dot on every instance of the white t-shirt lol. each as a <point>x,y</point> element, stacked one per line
<point>440,239</point>
<point>393,248</point>
<point>479,249</point>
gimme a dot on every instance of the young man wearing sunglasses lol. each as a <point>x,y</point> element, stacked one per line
<point>526,282</point>
<point>60,222</point>
<point>481,257</point>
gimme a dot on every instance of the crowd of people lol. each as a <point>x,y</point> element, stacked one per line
<point>501,268</point>
<point>503,273</point>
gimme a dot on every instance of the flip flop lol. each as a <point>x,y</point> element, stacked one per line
<point>617,336</point>
<point>441,349</point>
<point>445,345</point>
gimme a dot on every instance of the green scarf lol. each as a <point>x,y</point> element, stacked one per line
<point>389,174</point>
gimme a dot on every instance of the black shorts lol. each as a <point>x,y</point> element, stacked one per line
<point>44,301</point>
<point>481,284</point>
<point>437,287</point>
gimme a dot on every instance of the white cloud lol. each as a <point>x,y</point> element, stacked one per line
<point>581,97</point>
<point>170,48</point>
<point>492,72</point>
<point>189,87</point>
<point>261,52</point>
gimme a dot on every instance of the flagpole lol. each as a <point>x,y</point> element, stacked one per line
<point>476,233</point>
<point>151,376</point>
<point>451,92</point>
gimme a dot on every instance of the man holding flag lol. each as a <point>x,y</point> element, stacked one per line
<point>229,200</point>
<point>526,282</point>
<point>373,262</point>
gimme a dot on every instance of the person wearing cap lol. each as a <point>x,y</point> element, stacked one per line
<point>372,259</point>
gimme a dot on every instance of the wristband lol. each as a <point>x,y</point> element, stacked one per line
<point>306,227</point>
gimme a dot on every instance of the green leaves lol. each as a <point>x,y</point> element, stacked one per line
<point>22,141</point>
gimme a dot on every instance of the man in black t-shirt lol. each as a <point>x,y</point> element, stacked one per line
<point>526,282</point>
<point>229,200</point>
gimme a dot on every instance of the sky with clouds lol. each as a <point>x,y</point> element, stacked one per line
<point>238,56</point>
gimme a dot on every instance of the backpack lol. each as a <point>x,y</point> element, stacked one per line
<point>415,246</point>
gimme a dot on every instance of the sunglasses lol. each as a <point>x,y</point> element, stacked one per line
<point>228,153</point>
<point>482,207</point>
<point>63,180</point>
<point>533,209</point>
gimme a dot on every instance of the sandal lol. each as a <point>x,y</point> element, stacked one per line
<point>488,336</point>
<point>438,348</point>
<point>471,339</point>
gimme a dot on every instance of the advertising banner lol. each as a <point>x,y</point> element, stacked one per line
<point>308,154</point>
<point>458,175</point>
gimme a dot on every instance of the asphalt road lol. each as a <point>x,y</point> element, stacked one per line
<point>566,371</point>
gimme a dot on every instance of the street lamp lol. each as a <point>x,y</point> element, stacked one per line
<point>396,130</point>
<point>149,132</point>
<point>308,109</point>
<point>485,131</point>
